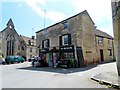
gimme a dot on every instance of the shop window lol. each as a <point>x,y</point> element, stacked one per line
<point>100,41</point>
<point>67,56</point>
<point>45,43</point>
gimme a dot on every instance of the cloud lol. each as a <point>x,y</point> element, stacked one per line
<point>20,5</point>
<point>11,0</point>
<point>55,16</point>
<point>99,10</point>
<point>52,15</point>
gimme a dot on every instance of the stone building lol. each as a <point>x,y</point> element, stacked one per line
<point>14,44</point>
<point>10,40</point>
<point>73,38</point>
<point>0,41</point>
<point>28,46</point>
<point>104,45</point>
<point>116,29</point>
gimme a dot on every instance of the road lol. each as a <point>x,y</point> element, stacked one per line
<point>24,76</point>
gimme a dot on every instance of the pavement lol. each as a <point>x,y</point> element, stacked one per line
<point>110,78</point>
<point>34,77</point>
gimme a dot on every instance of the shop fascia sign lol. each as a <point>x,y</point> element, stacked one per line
<point>89,51</point>
<point>66,48</point>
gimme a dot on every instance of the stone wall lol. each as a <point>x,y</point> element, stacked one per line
<point>81,28</point>
<point>0,42</point>
<point>88,39</point>
<point>106,47</point>
<point>116,29</point>
<point>5,33</point>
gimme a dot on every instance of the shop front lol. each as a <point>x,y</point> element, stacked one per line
<point>64,56</point>
<point>53,57</point>
<point>67,56</point>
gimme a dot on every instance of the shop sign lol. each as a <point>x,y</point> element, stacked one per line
<point>88,51</point>
<point>66,48</point>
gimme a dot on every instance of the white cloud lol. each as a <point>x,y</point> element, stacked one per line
<point>55,16</point>
<point>99,10</point>
<point>20,5</point>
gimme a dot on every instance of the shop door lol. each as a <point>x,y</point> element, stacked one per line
<point>50,60</point>
<point>101,55</point>
<point>80,57</point>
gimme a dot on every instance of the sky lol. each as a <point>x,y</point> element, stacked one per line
<point>30,16</point>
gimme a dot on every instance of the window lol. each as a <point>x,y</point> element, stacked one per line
<point>110,52</point>
<point>10,27</point>
<point>10,44</point>
<point>45,43</point>
<point>19,47</point>
<point>100,40</point>
<point>65,39</point>
<point>67,55</point>
<point>29,42</point>
<point>0,45</point>
<point>30,56</point>
<point>109,43</point>
<point>32,43</point>
<point>65,24</point>
<point>30,49</point>
<point>22,47</point>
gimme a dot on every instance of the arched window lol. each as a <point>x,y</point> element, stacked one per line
<point>10,44</point>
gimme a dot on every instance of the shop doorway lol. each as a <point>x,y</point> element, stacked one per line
<point>80,57</point>
<point>101,55</point>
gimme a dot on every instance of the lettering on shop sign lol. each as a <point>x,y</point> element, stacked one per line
<point>66,48</point>
<point>88,51</point>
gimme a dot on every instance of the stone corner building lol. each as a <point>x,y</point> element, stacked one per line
<point>75,38</point>
<point>11,42</point>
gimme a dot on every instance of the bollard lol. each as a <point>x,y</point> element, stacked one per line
<point>98,60</point>
<point>86,62</point>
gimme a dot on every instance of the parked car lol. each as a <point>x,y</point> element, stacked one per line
<point>31,59</point>
<point>13,59</point>
<point>2,61</point>
<point>39,63</point>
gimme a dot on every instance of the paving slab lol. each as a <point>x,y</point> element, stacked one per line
<point>110,78</point>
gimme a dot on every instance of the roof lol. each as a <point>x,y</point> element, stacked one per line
<point>85,11</point>
<point>10,23</point>
<point>102,34</point>
<point>26,39</point>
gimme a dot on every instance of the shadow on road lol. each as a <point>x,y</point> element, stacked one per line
<point>59,70</point>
